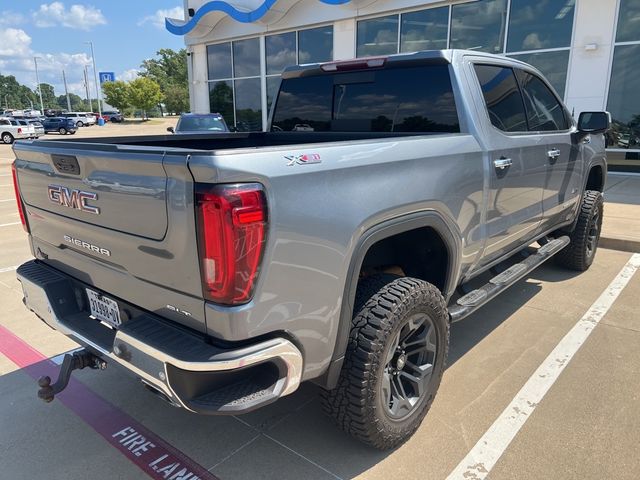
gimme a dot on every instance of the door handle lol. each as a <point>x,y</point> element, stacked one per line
<point>502,163</point>
<point>553,154</point>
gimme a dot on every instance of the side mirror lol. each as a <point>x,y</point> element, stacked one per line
<point>594,122</point>
<point>171,130</point>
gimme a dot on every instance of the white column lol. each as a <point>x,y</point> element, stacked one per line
<point>591,53</point>
<point>344,39</point>
<point>199,77</point>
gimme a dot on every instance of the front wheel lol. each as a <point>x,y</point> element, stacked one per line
<point>80,124</point>
<point>394,361</point>
<point>581,251</point>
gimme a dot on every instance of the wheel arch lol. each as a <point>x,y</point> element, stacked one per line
<point>428,219</point>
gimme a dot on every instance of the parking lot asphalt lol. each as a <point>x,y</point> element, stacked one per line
<point>586,426</point>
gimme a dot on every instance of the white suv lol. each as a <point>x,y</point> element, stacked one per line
<point>81,119</point>
<point>11,130</point>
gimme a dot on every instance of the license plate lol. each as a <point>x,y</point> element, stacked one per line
<point>104,308</point>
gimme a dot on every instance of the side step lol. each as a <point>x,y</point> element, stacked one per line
<point>473,300</point>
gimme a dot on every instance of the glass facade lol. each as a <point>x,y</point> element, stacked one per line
<point>534,31</point>
<point>235,71</point>
<point>623,101</point>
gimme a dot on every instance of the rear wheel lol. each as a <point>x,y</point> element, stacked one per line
<point>579,254</point>
<point>394,361</point>
<point>79,124</point>
<point>7,138</point>
<point>62,131</point>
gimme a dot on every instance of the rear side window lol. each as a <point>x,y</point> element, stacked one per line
<point>502,97</point>
<point>544,111</point>
<point>410,99</point>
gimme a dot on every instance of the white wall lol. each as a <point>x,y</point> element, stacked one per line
<point>588,74</point>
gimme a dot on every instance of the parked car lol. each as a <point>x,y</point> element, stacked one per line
<point>62,125</point>
<point>29,126</point>
<point>200,123</point>
<point>80,119</point>
<point>39,128</point>
<point>339,255</point>
<point>113,116</point>
<point>10,130</point>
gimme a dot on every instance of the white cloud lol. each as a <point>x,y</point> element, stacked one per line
<point>128,75</point>
<point>157,19</point>
<point>14,42</point>
<point>9,18</point>
<point>82,17</point>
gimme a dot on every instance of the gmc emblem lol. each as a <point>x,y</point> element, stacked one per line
<point>72,198</point>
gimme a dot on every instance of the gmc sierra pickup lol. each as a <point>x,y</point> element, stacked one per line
<point>225,270</point>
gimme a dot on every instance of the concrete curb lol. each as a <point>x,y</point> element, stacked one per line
<point>622,244</point>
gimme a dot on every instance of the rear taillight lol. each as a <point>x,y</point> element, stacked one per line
<point>232,227</point>
<point>16,189</point>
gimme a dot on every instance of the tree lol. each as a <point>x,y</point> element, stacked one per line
<point>48,96</point>
<point>117,94</point>
<point>15,95</point>
<point>176,98</point>
<point>144,94</point>
<point>169,69</point>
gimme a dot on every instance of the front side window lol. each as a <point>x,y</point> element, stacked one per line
<point>502,97</point>
<point>411,99</point>
<point>553,65</point>
<point>544,111</point>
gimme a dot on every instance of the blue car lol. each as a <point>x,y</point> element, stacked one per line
<point>61,125</point>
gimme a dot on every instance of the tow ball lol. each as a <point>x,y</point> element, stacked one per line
<point>75,361</point>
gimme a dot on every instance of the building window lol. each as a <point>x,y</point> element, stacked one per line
<point>377,36</point>
<point>553,66</point>
<point>424,30</point>
<point>479,25</point>
<point>315,45</point>
<point>628,21</point>
<point>539,24</point>
<point>219,60</point>
<point>623,101</point>
<point>221,99</point>
<point>280,51</point>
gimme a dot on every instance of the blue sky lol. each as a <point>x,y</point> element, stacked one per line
<point>123,33</point>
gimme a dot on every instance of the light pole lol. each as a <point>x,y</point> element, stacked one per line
<point>95,75</point>
<point>35,61</point>
<point>86,86</point>
<point>66,90</point>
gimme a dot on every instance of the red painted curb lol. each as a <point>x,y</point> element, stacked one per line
<point>138,444</point>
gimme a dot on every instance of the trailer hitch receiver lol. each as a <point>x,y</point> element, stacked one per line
<point>75,361</point>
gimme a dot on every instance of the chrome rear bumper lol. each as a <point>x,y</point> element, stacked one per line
<point>176,363</point>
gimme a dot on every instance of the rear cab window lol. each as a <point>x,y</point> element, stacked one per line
<point>416,99</point>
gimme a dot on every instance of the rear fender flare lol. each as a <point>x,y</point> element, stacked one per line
<point>432,219</point>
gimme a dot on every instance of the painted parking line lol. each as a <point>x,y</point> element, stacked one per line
<point>9,269</point>
<point>8,200</point>
<point>485,454</point>
<point>150,453</point>
<point>9,224</point>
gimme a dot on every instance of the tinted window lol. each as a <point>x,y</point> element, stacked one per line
<point>479,25</point>
<point>624,101</point>
<point>415,99</point>
<point>537,24</point>
<point>246,58</point>
<point>544,111</point>
<point>502,97</point>
<point>378,36</point>
<point>221,99</point>
<point>219,60</point>
<point>280,51</point>
<point>248,105</point>
<point>201,124</point>
<point>424,30</point>
<point>553,66</point>
<point>628,21</point>
<point>315,45</point>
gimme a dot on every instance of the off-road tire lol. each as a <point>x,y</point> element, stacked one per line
<point>7,138</point>
<point>579,254</point>
<point>384,304</point>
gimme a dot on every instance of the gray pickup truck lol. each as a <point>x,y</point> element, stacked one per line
<point>223,271</point>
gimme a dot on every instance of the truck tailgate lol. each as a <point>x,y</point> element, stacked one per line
<point>118,218</point>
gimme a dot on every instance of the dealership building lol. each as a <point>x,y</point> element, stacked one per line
<point>589,50</point>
